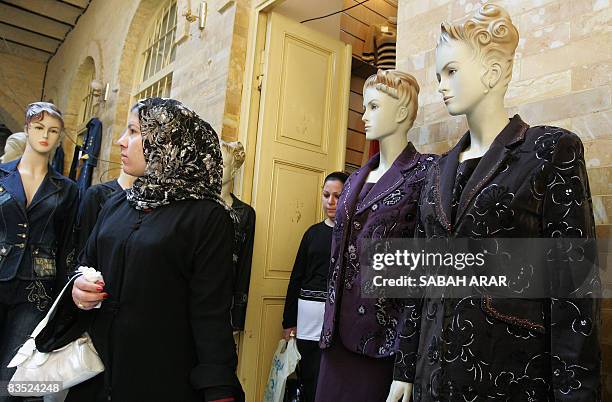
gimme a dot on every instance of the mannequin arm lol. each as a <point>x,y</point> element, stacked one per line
<point>399,391</point>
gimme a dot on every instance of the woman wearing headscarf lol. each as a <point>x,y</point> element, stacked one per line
<point>164,248</point>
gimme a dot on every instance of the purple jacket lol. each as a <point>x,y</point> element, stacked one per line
<point>368,326</point>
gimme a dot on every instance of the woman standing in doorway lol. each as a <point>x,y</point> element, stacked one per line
<point>37,206</point>
<point>305,301</point>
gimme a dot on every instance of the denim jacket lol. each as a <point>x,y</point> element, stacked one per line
<point>35,241</point>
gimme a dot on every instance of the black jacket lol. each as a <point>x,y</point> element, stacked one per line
<point>531,183</point>
<point>89,209</point>
<point>35,241</point>
<point>164,333</point>
<point>244,235</point>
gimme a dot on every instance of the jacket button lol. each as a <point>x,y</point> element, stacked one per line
<point>1,189</point>
<point>22,235</point>
<point>357,225</point>
<point>20,245</point>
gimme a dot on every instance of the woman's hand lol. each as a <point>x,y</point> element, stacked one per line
<point>399,391</point>
<point>86,295</point>
<point>289,332</point>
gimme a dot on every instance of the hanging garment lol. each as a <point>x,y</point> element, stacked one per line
<point>379,46</point>
<point>90,151</point>
<point>58,160</point>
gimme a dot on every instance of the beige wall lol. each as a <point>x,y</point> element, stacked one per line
<point>110,32</point>
<point>562,76</point>
<point>21,83</point>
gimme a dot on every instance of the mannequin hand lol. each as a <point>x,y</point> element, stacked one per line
<point>399,389</point>
<point>289,332</point>
<point>87,295</point>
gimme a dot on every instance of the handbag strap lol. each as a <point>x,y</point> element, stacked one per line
<point>43,323</point>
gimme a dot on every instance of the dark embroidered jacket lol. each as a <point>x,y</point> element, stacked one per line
<point>368,326</point>
<point>244,235</point>
<point>531,183</point>
<point>35,241</point>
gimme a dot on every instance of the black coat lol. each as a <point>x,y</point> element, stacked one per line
<point>164,333</point>
<point>531,183</point>
<point>89,209</point>
<point>244,235</point>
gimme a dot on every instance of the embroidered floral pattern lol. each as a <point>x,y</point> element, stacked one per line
<point>38,296</point>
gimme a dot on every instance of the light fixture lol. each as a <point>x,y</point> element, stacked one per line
<point>96,88</point>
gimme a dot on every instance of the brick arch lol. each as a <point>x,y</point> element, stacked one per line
<point>127,68</point>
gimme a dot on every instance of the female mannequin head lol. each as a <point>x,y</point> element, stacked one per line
<point>390,101</point>
<point>474,60</point>
<point>233,158</point>
<point>43,127</point>
<point>332,187</point>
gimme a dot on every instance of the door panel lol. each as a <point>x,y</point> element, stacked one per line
<point>300,139</point>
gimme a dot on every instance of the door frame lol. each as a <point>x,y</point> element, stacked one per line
<point>251,96</point>
<point>249,122</point>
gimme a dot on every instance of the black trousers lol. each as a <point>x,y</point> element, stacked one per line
<point>22,305</point>
<point>309,367</point>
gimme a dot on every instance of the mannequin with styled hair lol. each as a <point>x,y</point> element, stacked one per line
<point>38,206</point>
<point>244,231</point>
<point>359,336</point>
<point>504,179</point>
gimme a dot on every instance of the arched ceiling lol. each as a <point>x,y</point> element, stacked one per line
<point>35,29</point>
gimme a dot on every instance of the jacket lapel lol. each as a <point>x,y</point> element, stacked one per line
<point>392,179</point>
<point>47,188</point>
<point>491,161</point>
<point>444,180</point>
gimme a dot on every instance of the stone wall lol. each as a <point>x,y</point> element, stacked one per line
<point>562,76</point>
<point>21,80</point>
<point>110,33</point>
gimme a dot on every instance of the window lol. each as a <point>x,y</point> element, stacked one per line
<point>158,55</point>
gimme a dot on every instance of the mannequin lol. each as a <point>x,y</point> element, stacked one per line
<point>244,231</point>
<point>14,147</point>
<point>39,207</point>
<point>488,185</point>
<point>359,335</point>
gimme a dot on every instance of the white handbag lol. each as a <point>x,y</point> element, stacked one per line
<point>70,365</point>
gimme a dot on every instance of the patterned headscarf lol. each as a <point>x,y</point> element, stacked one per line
<point>182,153</point>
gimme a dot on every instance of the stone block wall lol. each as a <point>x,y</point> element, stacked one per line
<point>562,76</point>
<point>110,33</point>
<point>21,79</point>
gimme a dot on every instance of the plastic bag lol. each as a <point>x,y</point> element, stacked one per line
<point>284,363</point>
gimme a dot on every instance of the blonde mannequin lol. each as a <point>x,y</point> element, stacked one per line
<point>389,112</point>
<point>244,232</point>
<point>15,146</point>
<point>503,179</point>
<point>481,53</point>
<point>478,56</point>
<point>359,334</point>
